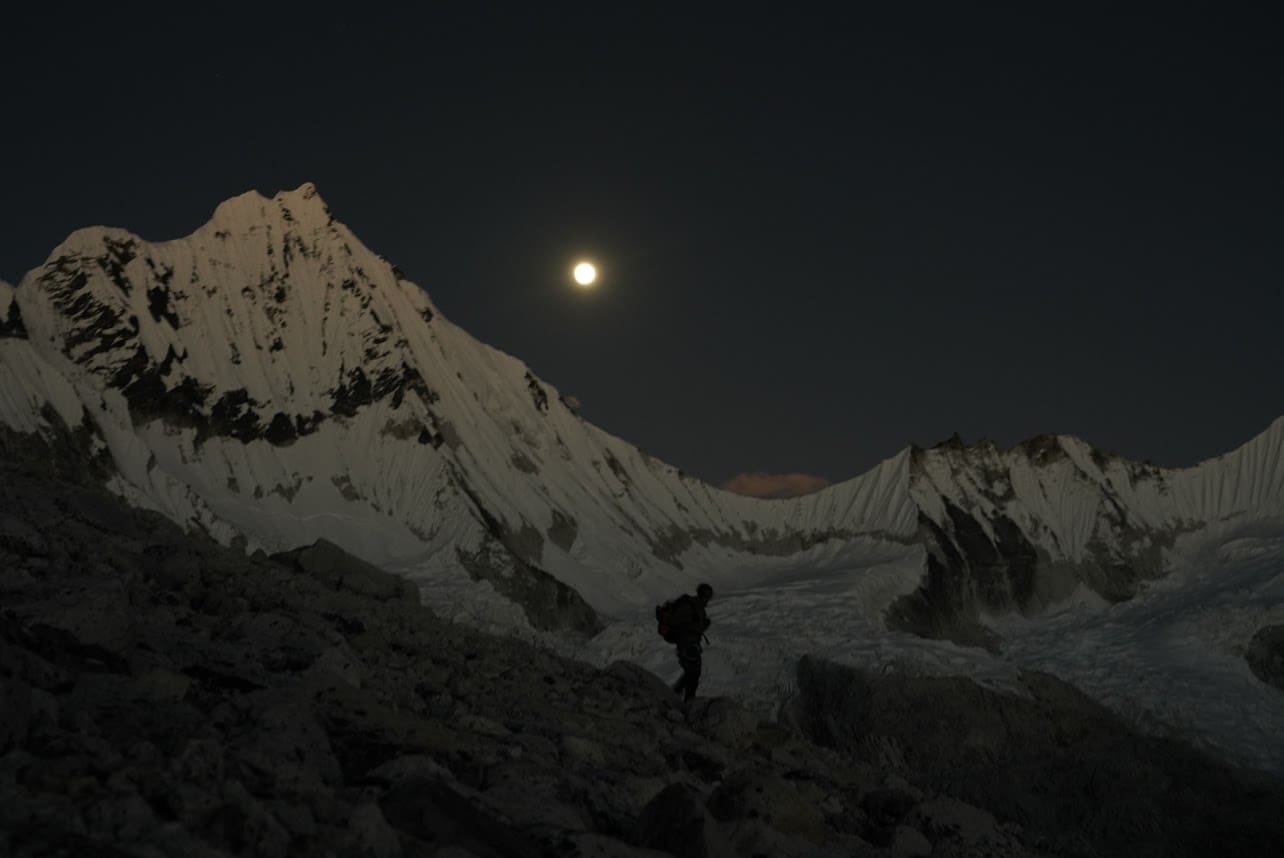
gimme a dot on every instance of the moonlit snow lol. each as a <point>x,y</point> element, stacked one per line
<point>1169,660</point>
<point>320,394</point>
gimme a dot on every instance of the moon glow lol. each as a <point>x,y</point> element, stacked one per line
<point>585,274</point>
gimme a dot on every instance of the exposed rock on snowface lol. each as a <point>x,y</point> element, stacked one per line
<point>1265,655</point>
<point>331,565</point>
<point>1055,761</point>
<point>509,562</point>
<point>10,315</point>
<point>1023,529</point>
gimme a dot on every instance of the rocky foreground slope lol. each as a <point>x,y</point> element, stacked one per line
<point>161,695</point>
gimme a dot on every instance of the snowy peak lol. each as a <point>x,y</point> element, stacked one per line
<point>271,317</point>
<point>302,207</point>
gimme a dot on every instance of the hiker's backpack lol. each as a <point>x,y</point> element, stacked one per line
<point>664,618</point>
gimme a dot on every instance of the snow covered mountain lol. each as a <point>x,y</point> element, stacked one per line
<point>270,380</point>
<point>269,377</point>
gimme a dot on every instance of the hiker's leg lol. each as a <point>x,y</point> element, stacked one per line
<point>694,673</point>
<point>689,658</point>
<point>682,680</point>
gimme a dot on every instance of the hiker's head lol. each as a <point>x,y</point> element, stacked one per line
<point>704,592</point>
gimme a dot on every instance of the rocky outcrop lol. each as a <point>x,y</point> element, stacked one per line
<point>330,564</point>
<point>1052,760</point>
<point>1019,530</point>
<point>507,560</point>
<point>10,314</point>
<point>1265,655</point>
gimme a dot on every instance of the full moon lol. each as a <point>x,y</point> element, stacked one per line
<point>585,274</point>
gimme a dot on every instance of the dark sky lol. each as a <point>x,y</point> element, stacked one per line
<point>823,238</point>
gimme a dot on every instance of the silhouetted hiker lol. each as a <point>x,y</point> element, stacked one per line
<point>683,622</point>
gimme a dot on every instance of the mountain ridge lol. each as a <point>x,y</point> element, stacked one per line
<point>270,377</point>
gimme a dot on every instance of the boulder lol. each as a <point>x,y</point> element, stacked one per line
<point>482,726</point>
<point>250,827</point>
<point>282,746</point>
<point>104,512</point>
<point>280,640</point>
<point>600,846</point>
<point>676,822</point>
<point>635,676</point>
<point>297,818</point>
<point>21,538</point>
<point>331,565</point>
<point>23,664</point>
<point>534,803</point>
<point>753,795</point>
<point>15,713</point>
<point>435,812</point>
<point>14,579</point>
<point>725,721</point>
<point>1052,759</point>
<point>369,835</point>
<point>119,817</point>
<point>199,760</point>
<point>944,817</point>
<point>910,842</point>
<point>341,663</point>
<point>165,686</point>
<point>172,566</point>
<point>408,768</point>
<point>1265,655</point>
<point>889,805</point>
<point>578,752</point>
<point>753,837</point>
<point>94,621</point>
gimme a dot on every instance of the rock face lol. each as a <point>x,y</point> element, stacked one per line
<point>1021,529</point>
<point>1265,655</point>
<point>1054,762</point>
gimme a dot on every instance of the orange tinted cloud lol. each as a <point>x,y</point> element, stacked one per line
<point>760,485</point>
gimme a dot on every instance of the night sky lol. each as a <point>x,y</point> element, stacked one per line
<point>821,238</point>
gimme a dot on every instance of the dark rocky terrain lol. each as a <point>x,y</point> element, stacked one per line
<point>163,696</point>
<point>1265,655</point>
